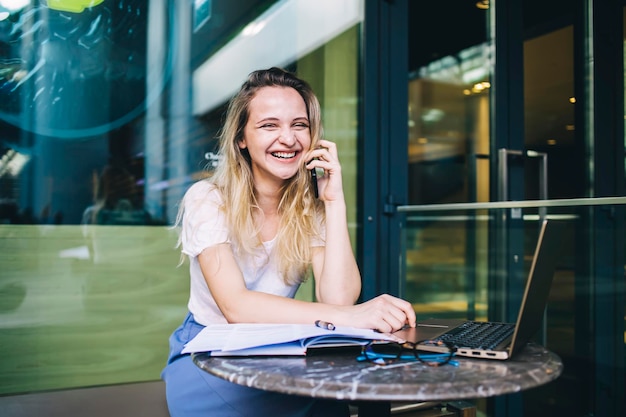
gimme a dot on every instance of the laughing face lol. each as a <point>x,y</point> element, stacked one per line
<point>277,134</point>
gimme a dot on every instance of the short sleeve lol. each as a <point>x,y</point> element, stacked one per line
<point>203,222</point>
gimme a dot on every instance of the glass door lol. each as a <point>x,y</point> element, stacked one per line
<point>448,155</point>
<point>511,123</point>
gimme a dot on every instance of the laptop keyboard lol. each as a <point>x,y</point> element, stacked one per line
<point>478,335</point>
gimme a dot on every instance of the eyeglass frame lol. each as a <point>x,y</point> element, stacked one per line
<point>431,359</point>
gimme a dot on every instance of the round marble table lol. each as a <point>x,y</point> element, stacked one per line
<point>341,377</point>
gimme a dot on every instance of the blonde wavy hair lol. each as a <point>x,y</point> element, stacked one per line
<point>301,214</point>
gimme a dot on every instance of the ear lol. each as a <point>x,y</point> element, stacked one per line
<point>242,143</point>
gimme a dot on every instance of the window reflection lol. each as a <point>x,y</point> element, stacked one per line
<point>74,84</point>
<point>71,71</point>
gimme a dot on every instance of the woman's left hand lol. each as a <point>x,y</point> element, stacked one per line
<point>325,156</point>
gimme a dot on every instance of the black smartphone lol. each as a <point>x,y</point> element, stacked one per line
<point>314,182</point>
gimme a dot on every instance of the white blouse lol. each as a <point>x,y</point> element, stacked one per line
<point>204,225</point>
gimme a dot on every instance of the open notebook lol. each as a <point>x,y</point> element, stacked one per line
<point>251,339</point>
<point>493,340</point>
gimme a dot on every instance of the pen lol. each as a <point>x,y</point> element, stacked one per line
<point>324,325</point>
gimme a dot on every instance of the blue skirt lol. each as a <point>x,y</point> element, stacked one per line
<point>192,392</point>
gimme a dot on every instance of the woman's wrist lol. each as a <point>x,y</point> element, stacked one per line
<point>334,205</point>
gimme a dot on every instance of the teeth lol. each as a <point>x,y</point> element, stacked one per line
<point>284,155</point>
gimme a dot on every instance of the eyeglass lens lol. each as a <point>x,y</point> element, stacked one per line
<point>385,353</point>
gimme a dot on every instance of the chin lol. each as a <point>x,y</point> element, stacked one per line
<point>286,174</point>
<point>287,177</point>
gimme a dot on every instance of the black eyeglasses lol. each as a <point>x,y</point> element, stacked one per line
<point>429,352</point>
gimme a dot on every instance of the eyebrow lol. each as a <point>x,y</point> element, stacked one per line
<point>276,119</point>
<point>267,119</point>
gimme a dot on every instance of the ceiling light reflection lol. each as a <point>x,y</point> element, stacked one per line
<point>482,4</point>
<point>14,5</point>
<point>253,28</point>
<point>477,88</point>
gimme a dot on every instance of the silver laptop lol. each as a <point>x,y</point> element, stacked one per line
<point>493,340</point>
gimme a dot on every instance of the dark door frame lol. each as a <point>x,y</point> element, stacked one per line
<point>600,281</point>
<point>383,153</point>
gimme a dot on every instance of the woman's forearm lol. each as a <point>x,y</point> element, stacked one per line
<point>339,281</point>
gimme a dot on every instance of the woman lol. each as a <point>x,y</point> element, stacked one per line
<point>254,230</point>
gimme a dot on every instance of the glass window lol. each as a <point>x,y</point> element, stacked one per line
<point>108,112</point>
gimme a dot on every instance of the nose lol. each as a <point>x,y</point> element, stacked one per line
<point>287,137</point>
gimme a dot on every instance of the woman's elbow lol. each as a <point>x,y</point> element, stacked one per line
<point>234,313</point>
<point>342,298</point>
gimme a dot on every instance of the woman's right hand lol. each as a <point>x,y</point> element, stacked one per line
<point>384,313</point>
<point>326,157</point>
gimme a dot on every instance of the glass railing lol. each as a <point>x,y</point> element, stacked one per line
<point>471,260</point>
<point>91,306</point>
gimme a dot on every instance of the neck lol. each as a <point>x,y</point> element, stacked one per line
<point>268,199</point>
